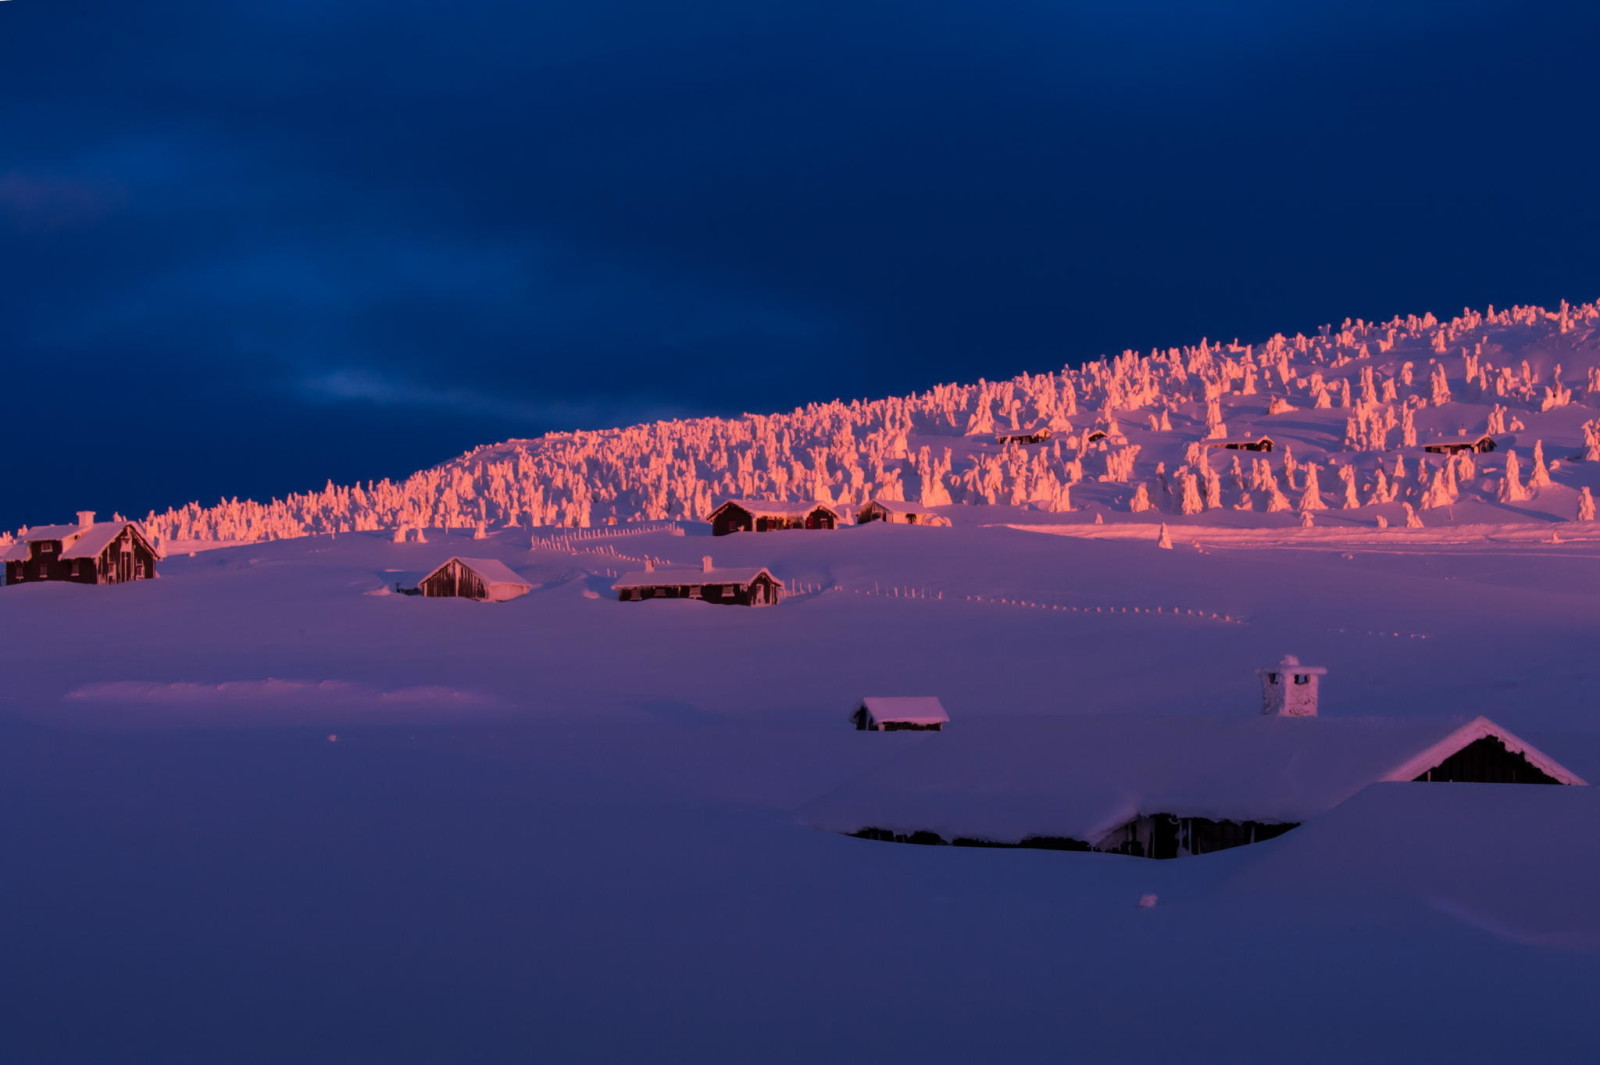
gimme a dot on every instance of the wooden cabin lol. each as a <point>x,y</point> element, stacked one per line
<point>748,586</point>
<point>1023,436</point>
<point>1257,443</point>
<point>90,552</point>
<point>896,512</point>
<point>486,580</point>
<point>762,515</point>
<point>1163,787</point>
<point>1478,444</point>
<point>900,713</point>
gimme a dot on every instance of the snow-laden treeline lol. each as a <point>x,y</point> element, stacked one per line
<point>1133,426</point>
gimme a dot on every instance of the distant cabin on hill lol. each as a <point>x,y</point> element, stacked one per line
<point>90,552</point>
<point>895,512</point>
<point>484,579</point>
<point>764,515</point>
<point>1023,436</point>
<point>731,586</point>
<point>1478,444</point>
<point>1255,443</point>
<point>900,713</point>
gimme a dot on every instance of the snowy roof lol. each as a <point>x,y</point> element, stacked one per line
<point>1291,664</point>
<point>1457,441</point>
<point>770,508</point>
<point>897,506</point>
<point>1083,777</point>
<point>492,570</point>
<point>685,576</point>
<point>911,709</point>
<point>77,541</point>
<point>1236,441</point>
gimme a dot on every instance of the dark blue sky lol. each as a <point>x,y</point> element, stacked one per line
<point>253,246</point>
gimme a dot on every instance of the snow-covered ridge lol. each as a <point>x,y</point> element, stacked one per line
<point>1349,409</point>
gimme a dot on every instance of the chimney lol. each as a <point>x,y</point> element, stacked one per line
<point>705,563</point>
<point>85,518</point>
<point>649,565</point>
<point>1289,689</point>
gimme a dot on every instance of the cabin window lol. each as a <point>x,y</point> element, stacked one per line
<point>1302,678</point>
<point>1272,678</point>
<point>46,547</point>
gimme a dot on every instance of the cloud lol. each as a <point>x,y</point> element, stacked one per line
<point>42,203</point>
<point>368,386</point>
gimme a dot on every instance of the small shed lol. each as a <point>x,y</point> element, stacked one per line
<point>484,579</point>
<point>1478,444</point>
<point>896,512</point>
<point>766,515</point>
<point>90,552</point>
<point>900,713</point>
<point>1254,443</point>
<point>1036,435</point>
<point>749,586</point>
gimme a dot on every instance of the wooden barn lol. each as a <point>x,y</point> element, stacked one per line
<point>90,552</point>
<point>762,515</point>
<point>1254,443</point>
<point>900,713</point>
<point>896,512</point>
<point>1160,787</point>
<point>1023,436</point>
<point>748,586</point>
<point>1477,444</point>
<point>484,579</point>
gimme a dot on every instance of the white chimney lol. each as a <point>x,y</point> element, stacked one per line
<point>1289,689</point>
<point>705,563</point>
<point>649,565</point>
<point>85,518</point>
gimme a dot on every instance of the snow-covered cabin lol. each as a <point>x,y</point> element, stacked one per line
<point>90,552</point>
<point>900,713</point>
<point>765,515</point>
<point>735,586</point>
<point>485,579</point>
<point>1036,435</point>
<point>1249,443</point>
<point>1162,787</point>
<point>897,512</point>
<point>1479,444</point>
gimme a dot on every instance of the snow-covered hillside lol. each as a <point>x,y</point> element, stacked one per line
<point>265,794</point>
<point>1349,408</point>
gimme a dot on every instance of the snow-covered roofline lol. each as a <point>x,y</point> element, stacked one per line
<point>77,541</point>
<point>492,570</point>
<point>909,709</point>
<point>770,508</point>
<point>691,577</point>
<point>1476,729</point>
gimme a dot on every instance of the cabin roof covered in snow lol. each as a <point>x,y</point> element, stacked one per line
<point>910,709</point>
<point>1458,441</point>
<point>684,576</point>
<point>1238,440</point>
<point>1082,777</point>
<point>492,570</point>
<point>898,506</point>
<point>77,541</point>
<point>769,508</point>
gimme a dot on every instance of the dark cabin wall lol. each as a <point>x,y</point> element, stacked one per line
<point>731,520</point>
<point>454,581</point>
<point>1487,761</point>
